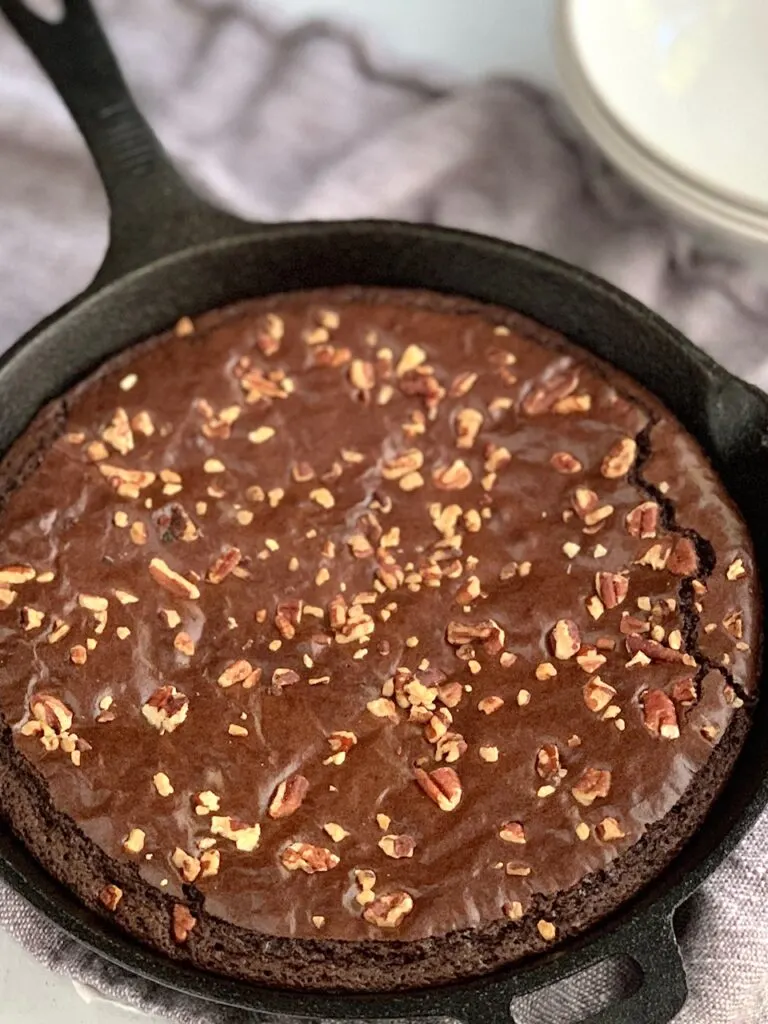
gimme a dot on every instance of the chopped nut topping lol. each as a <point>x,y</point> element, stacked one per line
<point>608,830</point>
<point>245,837</point>
<point>322,497</point>
<point>162,784</point>
<point>593,784</point>
<point>546,670</point>
<point>566,463</point>
<point>183,921</point>
<point>659,714</point>
<point>735,570</point>
<point>187,866</point>
<point>16,575</point>
<point>389,911</point>
<point>240,671</point>
<point>134,842</point>
<point>288,796</point>
<point>619,459</point>
<point>488,705</point>
<point>166,709</point>
<point>51,712</point>
<point>467,424</point>
<point>206,802</point>
<point>335,831</point>
<point>582,831</point>
<point>455,477</point>
<point>397,847</point>
<point>612,588</point>
<point>307,858</point>
<point>489,754</point>
<point>226,563</point>
<point>110,897</point>
<point>31,618</point>
<point>598,694</point>
<point>512,832</point>
<point>565,639</point>
<point>172,581</point>
<point>184,643</point>
<point>513,910</point>
<point>441,785</point>
<point>546,930</point>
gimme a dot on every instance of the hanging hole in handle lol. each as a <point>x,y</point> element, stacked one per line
<point>580,996</point>
<point>52,11</point>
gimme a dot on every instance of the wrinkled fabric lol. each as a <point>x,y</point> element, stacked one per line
<point>305,122</point>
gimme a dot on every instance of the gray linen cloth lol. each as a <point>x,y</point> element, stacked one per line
<point>306,122</point>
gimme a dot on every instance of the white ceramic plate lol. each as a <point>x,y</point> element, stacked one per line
<point>676,94</point>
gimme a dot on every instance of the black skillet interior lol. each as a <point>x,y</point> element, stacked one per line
<point>170,255</point>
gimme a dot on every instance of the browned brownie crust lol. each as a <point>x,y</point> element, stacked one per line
<point>555,599</point>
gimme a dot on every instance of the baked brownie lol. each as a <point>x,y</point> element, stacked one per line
<point>365,639</point>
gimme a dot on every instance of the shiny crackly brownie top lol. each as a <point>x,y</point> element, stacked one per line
<point>370,614</point>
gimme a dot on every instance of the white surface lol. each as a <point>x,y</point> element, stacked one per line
<point>722,221</point>
<point>689,79</point>
<point>464,38</point>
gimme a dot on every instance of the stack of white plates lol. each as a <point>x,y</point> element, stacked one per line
<point>675,93</point>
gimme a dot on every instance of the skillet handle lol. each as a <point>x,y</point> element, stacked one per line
<point>153,212</point>
<point>651,943</point>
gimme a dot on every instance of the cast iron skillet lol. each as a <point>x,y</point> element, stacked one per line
<point>170,254</point>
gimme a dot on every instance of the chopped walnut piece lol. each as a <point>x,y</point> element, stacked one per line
<point>513,832</point>
<point>308,858</point>
<point>78,654</point>
<point>127,482</point>
<point>467,425</point>
<point>288,796</point>
<point>210,862</point>
<point>227,561</point>
<point>162,784</point>
<point>110,897</point>
<point>612,588</point>
<point>450,693</point>
<point>16,575</point>
<point>513,910</point>
<point>402,464</point>
<point>322,497</point>
<point>548,761</point>
<point>589,659</point>
<point>619,459</point>
<point>397,847</point>
<point>546,670</point>
<point>565,639</point>
<point>240,671</point>
<point>182,923</point>
<point>442,785</point>
<point>643,520</point>
<point>582,831</point>
<point>489,754</point>
<point>382,707</point>
<point>593,783</point>
<point>412,357</point>
<point>390,910</point>
<point>735,570</point>
<point>51,711</point>
<point>245,837</point>
<point>565,463</point>
<point>206,802</point>
<point>7,597</point>
<point>171,581</point>
<point>546,930</point>
<point>598,694</point>
<point>166,709</point>
<point>659,714</point>
<point>608,830</point>
<point>134,841</point>
<point>184,644</point>
<point>455,477</point>
<point>488,705</point>
<point>335,831</point>
<point>31,618</point>
<point>187,866</point>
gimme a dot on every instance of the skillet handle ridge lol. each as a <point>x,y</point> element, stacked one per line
<point>153,212</point>
<point>663,990</point>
